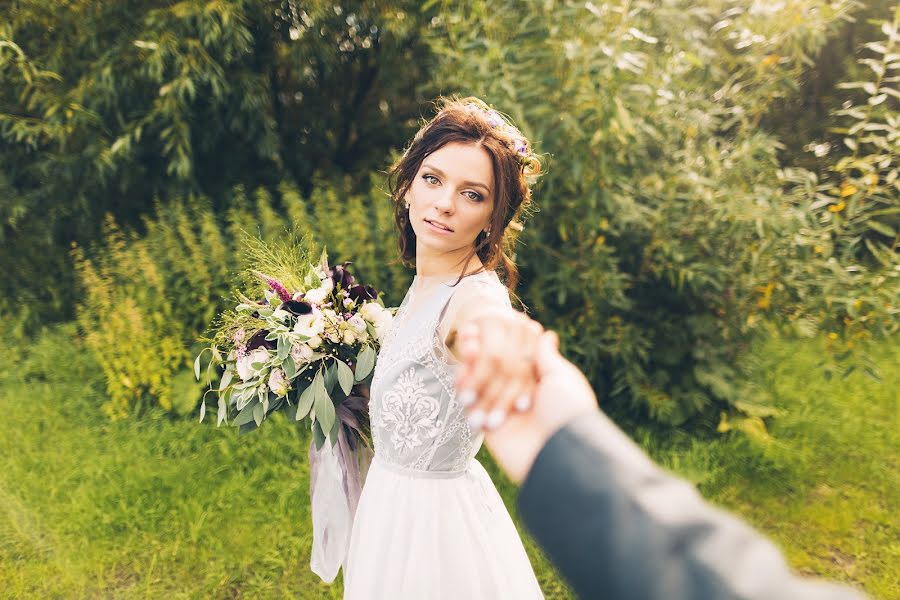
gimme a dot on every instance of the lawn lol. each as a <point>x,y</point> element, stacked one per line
<point>163,507</point>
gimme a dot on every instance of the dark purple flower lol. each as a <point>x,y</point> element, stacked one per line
<point>278,289</point>
<point>341,276</point>
<point>297,307</point>
<point>259,341</point>
<point>360,293</point>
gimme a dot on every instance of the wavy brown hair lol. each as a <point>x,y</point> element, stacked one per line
<point>470,121</point>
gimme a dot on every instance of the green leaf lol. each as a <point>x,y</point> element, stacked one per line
<point>226,379</point>
<point>246,414</point>
<point>247,427</point>
<point>330,377</point>
<point>882,228</point>
<point>333,433</point>
<point>283,348</point>
<point>223,412</point>
<point>364,363</point>
<point>318,436</point>
<point>305,403</point>
<point>197,366</point>
<point>258,413</point>
<point>290,367</point>
<point>345,376</point>
<point>322,402</point>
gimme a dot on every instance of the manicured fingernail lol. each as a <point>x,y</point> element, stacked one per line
<point>496,418</point>
<point>523,403</point>
<point>476,419</point>
<point>466,397</point>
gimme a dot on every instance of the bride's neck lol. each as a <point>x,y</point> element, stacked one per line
<point>445,267</point>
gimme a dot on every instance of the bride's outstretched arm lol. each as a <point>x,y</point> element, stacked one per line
<point>505,376</point>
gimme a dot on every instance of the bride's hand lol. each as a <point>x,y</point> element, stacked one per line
<point>503,378</point>
<point>562,394</point>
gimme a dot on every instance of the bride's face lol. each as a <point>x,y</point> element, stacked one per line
<point>451,197</point>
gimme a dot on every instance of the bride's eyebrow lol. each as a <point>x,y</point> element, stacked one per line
<point>472,183</point>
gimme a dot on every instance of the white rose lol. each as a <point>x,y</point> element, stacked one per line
<point>301,353</point>
<point>383,324</point>
<point>314,342</point>
<point>357,323</point>
<point>370,311</point>
<point>309,325</point>
<point>349,337</point>
<point>316,295</point>
<point>244,363</point>
<point>278,383</point>
<point>334,336</point>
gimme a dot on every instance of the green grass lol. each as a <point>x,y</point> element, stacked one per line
<point>826,489</point>
<point>153,507</point>
<point>170,508</point>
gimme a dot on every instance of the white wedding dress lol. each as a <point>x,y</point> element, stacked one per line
<point>430,524</point>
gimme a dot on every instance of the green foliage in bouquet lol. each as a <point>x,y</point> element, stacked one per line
<point>301,350</point>
<point>665,238</point>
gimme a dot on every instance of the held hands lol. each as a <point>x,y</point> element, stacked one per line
<point>515,383</point>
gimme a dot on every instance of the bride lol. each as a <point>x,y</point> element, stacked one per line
<point>429,522</point>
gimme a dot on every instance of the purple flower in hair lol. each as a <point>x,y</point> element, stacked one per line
<point>494,118</point>
<point>522,147</point>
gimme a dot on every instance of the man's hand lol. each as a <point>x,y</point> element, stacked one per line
<point>560,392</point>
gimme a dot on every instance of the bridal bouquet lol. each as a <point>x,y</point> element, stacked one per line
<point>301,338</point>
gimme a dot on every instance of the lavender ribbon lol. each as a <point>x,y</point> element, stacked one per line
<point>337,475</point>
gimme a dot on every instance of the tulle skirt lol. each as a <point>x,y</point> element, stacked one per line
<point>420,536</point>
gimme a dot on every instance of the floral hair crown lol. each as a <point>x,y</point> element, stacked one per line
<point>518,143</point>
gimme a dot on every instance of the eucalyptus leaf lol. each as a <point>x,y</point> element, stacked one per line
<point>259,412</point>
<point>330,377</point>
<point>222,413</point>
<point>364,363</point>
<point>226,379</point>
<point>305,403</point>
<point>333,433</point>
<point>248,427</point>
<point>318,436</point>
<point>290,367</point>
<point>322,401</point>
<point>246,414</point>
<point>345,376</point>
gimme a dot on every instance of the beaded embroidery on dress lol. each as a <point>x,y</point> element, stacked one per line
<point>430,523</point>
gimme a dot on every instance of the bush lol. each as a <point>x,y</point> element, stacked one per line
<point>664,233</point>
<point>148,297</point>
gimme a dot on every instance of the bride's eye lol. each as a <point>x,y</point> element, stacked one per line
<point>428,178</point>
<point>475,195</point>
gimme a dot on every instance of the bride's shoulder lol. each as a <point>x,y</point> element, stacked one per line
<point>480,289</point>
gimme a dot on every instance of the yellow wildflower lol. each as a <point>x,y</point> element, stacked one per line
<point>847,189</point>
<point>836,208</point>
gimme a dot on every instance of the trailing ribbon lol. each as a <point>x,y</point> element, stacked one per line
<point>337,475</point>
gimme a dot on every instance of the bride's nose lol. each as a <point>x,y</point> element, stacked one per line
<point>445,202</point>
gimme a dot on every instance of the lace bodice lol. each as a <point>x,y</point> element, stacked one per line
<point>417,423</point>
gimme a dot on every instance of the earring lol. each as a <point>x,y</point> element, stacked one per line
<point>407,205</point>
<point>487,231</point>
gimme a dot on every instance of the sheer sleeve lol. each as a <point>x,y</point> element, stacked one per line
<point>472,298</point>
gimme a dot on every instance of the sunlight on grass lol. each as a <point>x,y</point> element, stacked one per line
<point>162,507</point>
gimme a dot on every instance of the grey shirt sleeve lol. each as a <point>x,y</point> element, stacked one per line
<point>619,527</point>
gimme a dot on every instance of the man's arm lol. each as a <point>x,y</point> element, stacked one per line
<point>617,526</point>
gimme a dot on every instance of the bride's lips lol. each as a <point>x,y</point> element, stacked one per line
<point>438,228</point>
